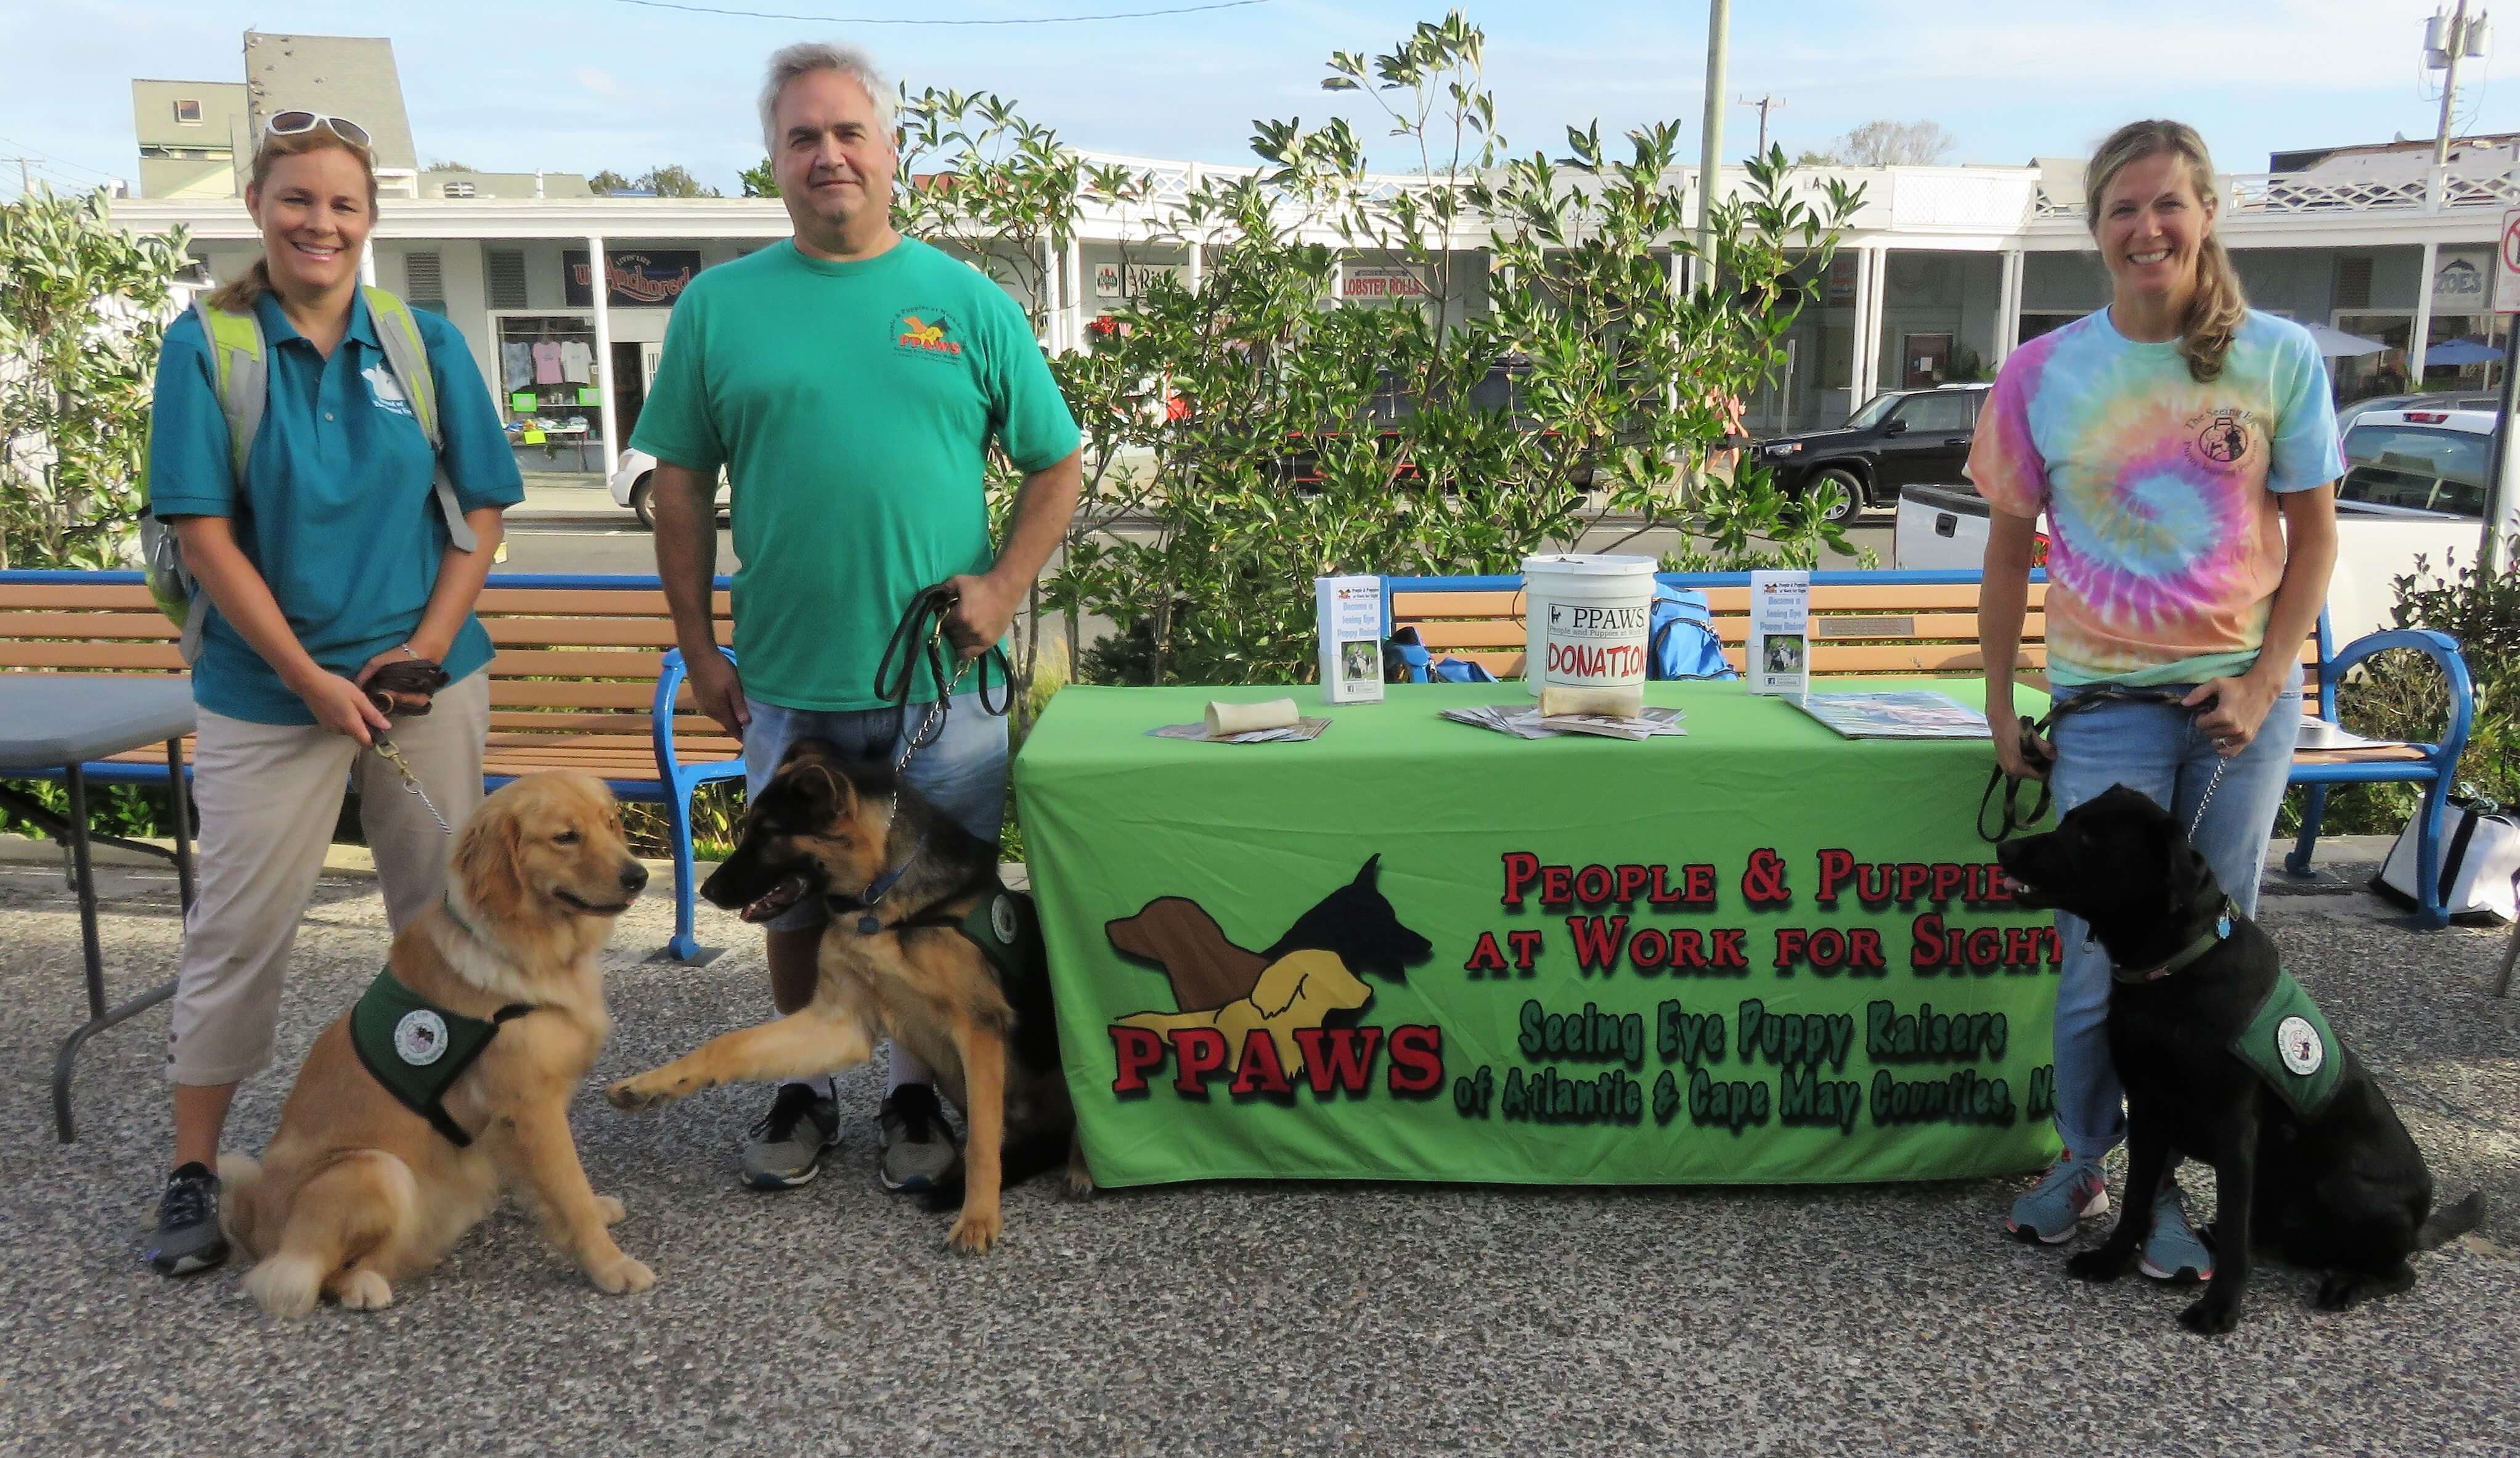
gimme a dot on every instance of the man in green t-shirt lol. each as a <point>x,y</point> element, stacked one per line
<point>850,382</point>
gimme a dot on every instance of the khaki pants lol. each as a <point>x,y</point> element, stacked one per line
<point>269,796</point>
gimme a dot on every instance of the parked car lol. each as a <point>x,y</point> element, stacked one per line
<point>632,485</point>
<point>1902,438</point>
<point>2447,399</point>
<point>2414,488</point>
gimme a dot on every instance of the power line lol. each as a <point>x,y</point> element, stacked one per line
<point>55,160</point>
<point>771,15</point>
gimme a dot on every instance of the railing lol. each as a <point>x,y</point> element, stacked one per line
<point>2297,194</point>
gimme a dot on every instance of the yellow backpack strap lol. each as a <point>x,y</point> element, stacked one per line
<point>242,375</point>
<point>407,356</point>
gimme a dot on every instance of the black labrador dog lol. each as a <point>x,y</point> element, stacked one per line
<point>2316,1170</point>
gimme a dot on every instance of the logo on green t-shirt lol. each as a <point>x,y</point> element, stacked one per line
<point>925,330</point>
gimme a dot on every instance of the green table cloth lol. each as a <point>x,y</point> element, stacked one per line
<point>1416,949</point>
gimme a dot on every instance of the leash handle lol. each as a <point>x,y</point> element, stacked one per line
<point>920,637</point>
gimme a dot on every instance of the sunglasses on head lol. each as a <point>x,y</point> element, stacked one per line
<point>292,123</point>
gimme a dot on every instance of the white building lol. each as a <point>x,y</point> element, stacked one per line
<point>1943,271</point>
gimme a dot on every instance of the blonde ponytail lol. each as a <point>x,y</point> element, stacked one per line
<point>2216,310</point>
<point>237,295</point>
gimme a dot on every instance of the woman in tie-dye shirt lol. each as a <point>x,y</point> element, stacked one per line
<point>2185,452</point>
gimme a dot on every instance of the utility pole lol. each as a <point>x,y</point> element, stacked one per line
<point>2448,40</point>
<point>1762,104</point>
<point>25,178</point>
<point>1710,155</point>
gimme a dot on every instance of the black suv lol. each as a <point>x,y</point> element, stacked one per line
<point>1910,437</point>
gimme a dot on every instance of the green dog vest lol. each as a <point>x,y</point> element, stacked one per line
<point>2291,1047</point>
<point>1006,928</point>
<point>418,1049</point>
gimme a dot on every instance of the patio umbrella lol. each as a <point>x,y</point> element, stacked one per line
<point>2336,343</point>
<point>2460,352</point>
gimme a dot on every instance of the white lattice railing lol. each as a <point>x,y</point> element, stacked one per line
<point>2282,194</point>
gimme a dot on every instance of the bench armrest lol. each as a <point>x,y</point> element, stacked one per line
<point>671,674</point>
<point>2443,650</point>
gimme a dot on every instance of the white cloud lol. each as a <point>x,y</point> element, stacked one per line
<point>600,81</point>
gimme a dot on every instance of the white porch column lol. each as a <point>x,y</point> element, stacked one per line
<point>2008,322</point>
<point>1872,319</point>
<point>1856,394</point>
<point>1076,292</point>
<point>2421,334</point>
<point>1196,270</point>
<point>1338,280</point>
<point>600,286</point>
<point>368,261</point>
<point>1050,300</point>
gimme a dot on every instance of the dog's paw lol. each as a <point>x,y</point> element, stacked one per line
<point>635,1096</point>
<point>1078,1185</point>
<point>620,1276</point>
<point>612,1212</point>
<point>2208,1317</point>
<point>288,1286</point>
<point>2100,1265</point>
<point>363,1291</point>
<point>976,1232</point>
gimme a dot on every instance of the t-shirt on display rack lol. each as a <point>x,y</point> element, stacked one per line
<point>550,385</point>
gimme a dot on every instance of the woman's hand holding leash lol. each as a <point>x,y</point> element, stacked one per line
<point>342,706</point>
<point>2019,748</point>
<point>2235,709</point>
<point>717,689</point>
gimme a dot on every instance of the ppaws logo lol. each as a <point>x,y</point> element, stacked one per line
<point>923,330</point>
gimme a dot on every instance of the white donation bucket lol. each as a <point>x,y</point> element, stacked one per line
<point>1588,619</point>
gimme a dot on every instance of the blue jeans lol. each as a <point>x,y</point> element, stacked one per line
<point>962,774</point>
<point>2156,749</point>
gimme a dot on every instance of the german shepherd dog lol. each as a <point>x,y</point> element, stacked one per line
<point>825,826</point>
<point>2342,1191</point>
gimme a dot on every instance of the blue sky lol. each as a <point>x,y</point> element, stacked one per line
<point>579,85</point>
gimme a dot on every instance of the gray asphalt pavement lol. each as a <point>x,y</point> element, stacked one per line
<point>1228,1318</point>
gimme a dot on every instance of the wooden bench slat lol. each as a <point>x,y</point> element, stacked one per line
<point>585,602</point>
<point>51,596</point>
<point>542,692</point>
<point>589,632</point>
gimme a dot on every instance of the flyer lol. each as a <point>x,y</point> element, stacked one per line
<point>1780,647</point>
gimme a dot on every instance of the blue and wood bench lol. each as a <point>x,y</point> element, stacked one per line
<point>586,678</point>
<point>1918,623</point>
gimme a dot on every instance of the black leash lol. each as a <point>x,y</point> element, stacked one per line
<point>922,634</point>
<point>2008,801</point>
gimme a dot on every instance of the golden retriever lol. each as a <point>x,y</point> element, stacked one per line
<point>358,1192</point>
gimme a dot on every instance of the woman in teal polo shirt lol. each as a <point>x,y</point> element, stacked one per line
<point>330,560</point>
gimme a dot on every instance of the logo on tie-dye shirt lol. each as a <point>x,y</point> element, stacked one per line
<point>2219,439</point>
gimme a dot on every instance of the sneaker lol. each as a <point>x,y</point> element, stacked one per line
<point>188,1238</point>
<point>2070,1193</point>
<point>919,1146</point>
<point>2173,1251</point>
<point>787,1145</point>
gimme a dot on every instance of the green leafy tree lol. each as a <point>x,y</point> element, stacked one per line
<point>83,307</point>
<point>675,181</point>
<point>757,181</point>
<point>605,182</point>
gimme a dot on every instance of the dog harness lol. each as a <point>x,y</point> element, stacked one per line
<point>418,1049</point>
<point>1006,928</point>
<point>2287,1042</point>
<point>2292,1048</point>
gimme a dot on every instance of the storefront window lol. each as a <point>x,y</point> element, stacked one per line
<point>550,390</point>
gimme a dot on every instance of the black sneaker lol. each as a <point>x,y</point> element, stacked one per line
<point>188,1237</point>
<point>918,1144</point>
<point>787,1144</point>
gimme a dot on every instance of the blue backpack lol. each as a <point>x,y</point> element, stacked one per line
<point>1682,641</point>
<point>1407,660</point>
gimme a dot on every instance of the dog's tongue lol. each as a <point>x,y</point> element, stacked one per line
<point>775,900</point>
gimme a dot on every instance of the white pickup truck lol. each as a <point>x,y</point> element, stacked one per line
<point>2413,487</point>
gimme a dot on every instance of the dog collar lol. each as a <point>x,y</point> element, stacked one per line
<point>868,923</point>
<point>2211,939</point>
<point>447,904</point>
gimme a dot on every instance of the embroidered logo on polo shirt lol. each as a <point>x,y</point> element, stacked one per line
<point>385,391</point>
<point>925,330</point>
